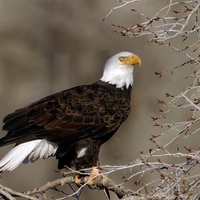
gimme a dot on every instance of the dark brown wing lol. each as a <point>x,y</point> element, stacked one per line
<point>95,111</point>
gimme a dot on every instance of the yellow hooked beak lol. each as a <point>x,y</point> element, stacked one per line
<point>130,60</point>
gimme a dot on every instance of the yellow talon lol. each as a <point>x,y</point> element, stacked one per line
<point>95,173</point>
<point>78,179</point>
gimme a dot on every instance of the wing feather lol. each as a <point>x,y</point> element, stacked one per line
<point>68,116</point>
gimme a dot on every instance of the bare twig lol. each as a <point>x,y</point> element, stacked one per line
<point>12,193</point>
<point>191,103</point>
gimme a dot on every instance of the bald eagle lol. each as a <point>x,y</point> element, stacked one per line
<point>74,123</point>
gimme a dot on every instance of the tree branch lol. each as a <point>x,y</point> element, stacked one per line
<point>99,183</point>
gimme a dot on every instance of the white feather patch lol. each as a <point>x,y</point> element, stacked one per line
<point>81,153</point>
<point>44,149</point>
<point>25,152</point>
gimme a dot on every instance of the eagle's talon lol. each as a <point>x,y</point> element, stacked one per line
<point>90,180</point>
<point>95,173</point>
<point>78,179</point>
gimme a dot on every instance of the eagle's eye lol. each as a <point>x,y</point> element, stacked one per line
<point>121,58</point>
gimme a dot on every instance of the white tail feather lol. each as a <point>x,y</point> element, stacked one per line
<point>25,152</point>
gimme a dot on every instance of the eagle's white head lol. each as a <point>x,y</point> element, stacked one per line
<point>118,70</point>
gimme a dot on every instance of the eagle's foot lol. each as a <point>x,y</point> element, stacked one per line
<point>95,174</point>
<point>78,179</point>
<point>93,180</point>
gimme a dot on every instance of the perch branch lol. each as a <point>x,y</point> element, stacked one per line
<point>99,183</point>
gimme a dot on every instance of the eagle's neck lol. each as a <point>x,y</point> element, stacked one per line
<point>119,77</point>
<point>122,92</point>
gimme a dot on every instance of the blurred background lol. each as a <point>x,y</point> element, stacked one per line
<point>47,46</point>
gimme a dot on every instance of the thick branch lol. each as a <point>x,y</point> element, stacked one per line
<point>10,193</point>
<point>50,185</point>
<point>98,183</point>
